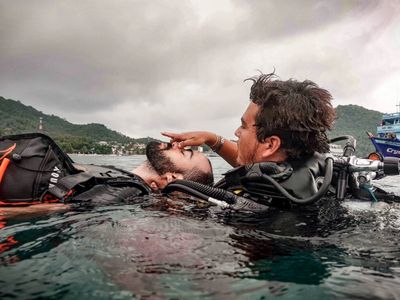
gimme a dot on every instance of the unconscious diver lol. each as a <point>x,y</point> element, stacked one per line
<point>34,170</point>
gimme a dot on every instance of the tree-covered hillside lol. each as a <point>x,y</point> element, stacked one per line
<point>356,120</point>
<point>16,117</point>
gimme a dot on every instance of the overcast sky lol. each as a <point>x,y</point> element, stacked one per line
<point>141,67</point>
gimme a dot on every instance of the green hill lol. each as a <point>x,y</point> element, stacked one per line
<point>355,120</point>
<point>16,117</point>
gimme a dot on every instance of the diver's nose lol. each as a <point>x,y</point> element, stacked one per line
<point>237,132</point>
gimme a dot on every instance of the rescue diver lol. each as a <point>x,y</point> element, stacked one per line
<point>284,124</point>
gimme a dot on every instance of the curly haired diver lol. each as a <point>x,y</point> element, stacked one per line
<point>285,121</point>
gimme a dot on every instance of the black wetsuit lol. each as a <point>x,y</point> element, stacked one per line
<point>113,192</point>
<point>103,185</point>
<point>299,178</point>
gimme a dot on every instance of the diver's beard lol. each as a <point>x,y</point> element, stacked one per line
<point>157,159</point>
<point>248,157</point>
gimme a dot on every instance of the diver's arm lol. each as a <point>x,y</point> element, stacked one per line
<point>192,138</point>
<point>227,151</point>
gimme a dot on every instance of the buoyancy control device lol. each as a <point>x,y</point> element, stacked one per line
<point>33,169</point>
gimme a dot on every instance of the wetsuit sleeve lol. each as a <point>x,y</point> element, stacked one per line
<point>104,194</point>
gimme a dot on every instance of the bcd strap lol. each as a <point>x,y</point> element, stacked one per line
<point>129,182</point>
<point>7,151</point>
<point>3,167</point>
<point>5,161</point>
<point>84,181</point>
<point>66,184</point>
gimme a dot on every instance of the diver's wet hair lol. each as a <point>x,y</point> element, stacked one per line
<point>200,176</point>
<point>299,113</point>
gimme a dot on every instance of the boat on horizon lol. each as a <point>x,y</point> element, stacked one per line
<point>387,139</point>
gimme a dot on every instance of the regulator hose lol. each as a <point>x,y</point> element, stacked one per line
<point>205,190</point>
<point>220,197</point>
<point>351,140</point>
<point>318,195</point>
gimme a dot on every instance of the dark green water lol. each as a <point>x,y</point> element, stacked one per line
<point>174,248</point>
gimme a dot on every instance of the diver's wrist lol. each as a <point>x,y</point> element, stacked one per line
<point>221,143</point>
<point>212,140</point>
<point>216,147</point>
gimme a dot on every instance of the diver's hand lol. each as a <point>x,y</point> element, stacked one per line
<point>193,138</point>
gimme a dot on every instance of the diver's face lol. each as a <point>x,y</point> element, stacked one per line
<point>249,150</point>
<point>166,157</point>
<point>186,159</point>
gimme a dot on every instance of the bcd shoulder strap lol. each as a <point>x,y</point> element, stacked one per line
<point>92,175</point>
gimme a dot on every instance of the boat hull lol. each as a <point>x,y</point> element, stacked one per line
<point>386,147</point>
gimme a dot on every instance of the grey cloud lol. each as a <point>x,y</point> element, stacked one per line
<point>272,19</point>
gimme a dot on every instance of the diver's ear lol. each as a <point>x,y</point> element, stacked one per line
<point>173,176</point>
<point>154,186</point>
<point>168,178</point>
<point>271,146</point>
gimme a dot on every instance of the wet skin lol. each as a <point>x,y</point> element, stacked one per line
<point>186,159</point>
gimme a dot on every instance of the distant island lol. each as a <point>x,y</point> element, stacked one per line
<point>15,117</point>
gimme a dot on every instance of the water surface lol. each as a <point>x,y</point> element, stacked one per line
<point>173,248</point>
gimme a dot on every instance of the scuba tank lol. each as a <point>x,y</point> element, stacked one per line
<point>257,186</point>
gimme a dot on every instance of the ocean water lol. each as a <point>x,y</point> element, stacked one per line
<point>179,248</point>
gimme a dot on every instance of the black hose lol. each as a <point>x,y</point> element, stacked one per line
<point>186,189</point>
<point>209,191</point>
<point>211,194</point>
<point>350,146</point>
<point>343,138</point>
<point>318,195</point>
